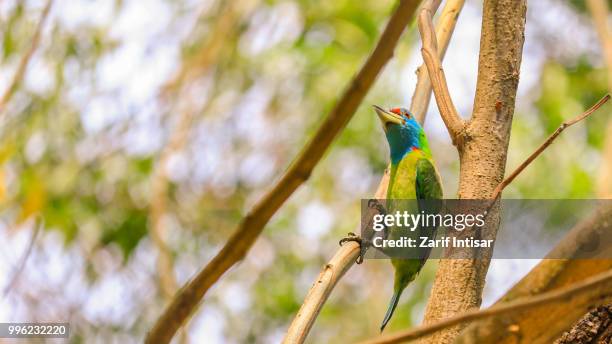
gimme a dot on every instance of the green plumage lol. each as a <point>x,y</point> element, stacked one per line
<point>413,177</point>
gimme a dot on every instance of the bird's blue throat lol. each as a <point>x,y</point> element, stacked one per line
<point>403,139</point>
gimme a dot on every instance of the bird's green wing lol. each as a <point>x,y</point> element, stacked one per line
<point>428,191</point>
<point>427,181</point>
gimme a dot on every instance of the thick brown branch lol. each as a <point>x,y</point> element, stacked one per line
<point>458,284</point>
<point>570,261</point>
<point>594,328</point>
<point>25,59</point>
<point>545,144</point>
<point>430,53</point>
<point>597,287</point>
<point>251,226</point>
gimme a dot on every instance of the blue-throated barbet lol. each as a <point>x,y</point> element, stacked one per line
<point>413,176</point>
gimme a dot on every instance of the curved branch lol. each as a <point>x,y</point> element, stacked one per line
<point>596,288</point>
<point>448,112</point>
<point>344,258</point>
<point>318,294</point>
<point>251,226</point>
<point>444,31</point>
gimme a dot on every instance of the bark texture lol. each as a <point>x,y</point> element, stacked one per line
<point>545,324</point>
<point>594,328</point>
<point>459,282</point>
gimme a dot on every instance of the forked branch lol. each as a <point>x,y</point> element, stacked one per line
<point>448,112</point>
<point>444,31</point>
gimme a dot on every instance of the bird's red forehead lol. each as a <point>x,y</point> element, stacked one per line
<point>397,111</point>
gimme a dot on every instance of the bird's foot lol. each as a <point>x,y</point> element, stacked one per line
<point>363,247</point>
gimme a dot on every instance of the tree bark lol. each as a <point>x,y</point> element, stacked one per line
<point>545,324</point>
<point>459,282</point>
<point>594,328</point>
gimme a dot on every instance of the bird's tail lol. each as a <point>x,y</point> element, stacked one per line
<point>394,301</point>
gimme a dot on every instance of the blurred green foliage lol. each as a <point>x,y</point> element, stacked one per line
<point>82,135</point>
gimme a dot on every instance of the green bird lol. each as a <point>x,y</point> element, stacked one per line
<point>413,176</point>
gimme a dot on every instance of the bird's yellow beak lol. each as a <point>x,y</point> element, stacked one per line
<point>387,117</point>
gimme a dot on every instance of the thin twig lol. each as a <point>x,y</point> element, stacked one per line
<point>548,142</point>
<point>25,59</point>
<point>187,299</point>
<point>559,295</point>
<point>448,112</point>
<point>24,258</point>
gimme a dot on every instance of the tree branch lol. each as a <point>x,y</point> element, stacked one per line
<point>597,288</point>
<point>498,190</point>
<point>483,148</point>
<point>251,226</point>
<point>157,210</point>
<point>320,291</point>
<point>564,265</point>
<point>444,31</point>
<point>330,275</point>
<point>25,59</point>
<point>318,294</point>
<point>430,53</point>
<point>593,328</point>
